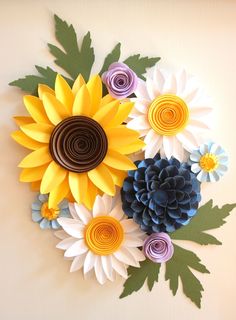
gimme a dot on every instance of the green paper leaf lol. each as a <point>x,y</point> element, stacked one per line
<point>73,60</point>
<point>30,83</point>
<point>140,64</point>
<point>137,276</point>
<point>207,218</point>
<point>179,267</point>
<point>114,56</point>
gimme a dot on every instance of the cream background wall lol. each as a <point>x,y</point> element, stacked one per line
<point>200,35</point>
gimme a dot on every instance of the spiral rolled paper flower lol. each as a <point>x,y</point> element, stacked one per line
<point>102,240</point>
<point>170,112</point>
<point>78,141</point>
<point>161,195</point>
<point>120,80</point>
<point>158,247</point>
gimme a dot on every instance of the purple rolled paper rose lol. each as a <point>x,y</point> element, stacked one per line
<point>158,247</point>
<point>120,80</point>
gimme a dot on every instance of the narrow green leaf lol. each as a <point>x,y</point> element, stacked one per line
<point>114,56</point>
<point>207,218</point>
<point>73,60</point>
<point>137,276</point>
<point>179,267</point>
<point>140,64</point>
<point>30,82</point>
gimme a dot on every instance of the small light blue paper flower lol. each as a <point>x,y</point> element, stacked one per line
<point>209,162</point>
<point>47,218</point>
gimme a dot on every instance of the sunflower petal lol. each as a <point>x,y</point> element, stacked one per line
<point>106,99</point>
<point>38,131</point>
<point>35,108</point>
<point>82,102</point>
<point>117,136</point>
<point>33,174</point>
<point>53,176</point>
<point>35,186</point>
<point>122,114</point>
<point>63,93</point>
<point>25,141</point>
<point>43,88</point>
<point>106,113</point>
<point>90,196</point>
<point>21,121</point>
<point>55,110</point>
<point>94,86</point>
<point>130,148</point>
<point>36,158</point>
<point>102,178</point>
<point>58,194</point>
<point>78,84</point>
<point>78,185</point>
<point>118,161</point>
<point>118,176</point>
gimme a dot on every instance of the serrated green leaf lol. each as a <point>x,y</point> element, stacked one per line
<point>30,82</point>
<point>73,60</point>
<point>114,56</point>
<point>140,64</point>
<point>148,271</point>
<point>179,267</point>
<point>207,218</point>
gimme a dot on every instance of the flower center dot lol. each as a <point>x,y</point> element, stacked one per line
<point>49,214</point>
<point>209,162</point>
<point>104,235</point>
<point>168,114</point>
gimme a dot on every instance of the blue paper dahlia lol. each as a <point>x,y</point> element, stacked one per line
<point>160,195</point>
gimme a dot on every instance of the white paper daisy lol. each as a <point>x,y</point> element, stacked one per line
<point>170,112</point>
<point>209,162</point>
<point>102,239</point>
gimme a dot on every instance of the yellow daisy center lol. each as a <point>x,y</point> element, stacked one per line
<point>49,214</point>
<point>104,235</point>
<point>168,114</point>
<point>209,162</point>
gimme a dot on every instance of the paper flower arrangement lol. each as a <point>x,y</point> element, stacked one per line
<point>119,217</point>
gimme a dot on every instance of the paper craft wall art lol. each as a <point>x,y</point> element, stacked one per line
<point>116,216</point>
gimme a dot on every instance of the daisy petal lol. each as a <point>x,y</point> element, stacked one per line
<point>61,234</point>
<point>83,213</point>
<point>195,168</point>
<point>188,140</point>
<point>78,248</point>
<point>129,225</point>
<point>77,263</point>
<point>125,256</point>
<point>131,241</point>
<point>89,261</point>
<point>100,274</point>
<point>107,266</point>
<point>168,145</point>
<point>141,90</point>
<point>119,267</point>
<point>137,254</point>
<point>98,207</point>
<point>73,227</point>
<point>153,146</point>
<point>66,243</point>
<point>140,122</point>
<point>107,203</point>
<point>117,212</point>
<point>214,176</point>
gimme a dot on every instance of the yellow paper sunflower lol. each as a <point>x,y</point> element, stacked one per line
<point>78,140</point>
